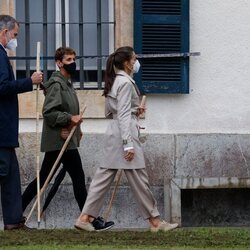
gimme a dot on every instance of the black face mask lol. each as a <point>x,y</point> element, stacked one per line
<point>70,68</point>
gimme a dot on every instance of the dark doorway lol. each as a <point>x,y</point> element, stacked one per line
<point>215,207</point>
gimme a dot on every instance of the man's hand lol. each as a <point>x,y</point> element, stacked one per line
<point>64,133</point>
<point>75,120</point>
<point>37,77</point>
<point>129,155</point>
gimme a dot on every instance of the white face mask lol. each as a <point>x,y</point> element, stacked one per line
<point>136,66</point>
<point>12,44</point>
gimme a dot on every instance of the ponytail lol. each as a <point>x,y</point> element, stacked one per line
<point>109,77</point>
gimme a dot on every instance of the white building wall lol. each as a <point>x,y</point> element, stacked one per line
<point>219,99</point>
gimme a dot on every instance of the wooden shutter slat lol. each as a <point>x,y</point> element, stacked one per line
<point>162,26</point>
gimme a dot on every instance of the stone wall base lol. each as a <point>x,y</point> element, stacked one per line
<point>174,162</point>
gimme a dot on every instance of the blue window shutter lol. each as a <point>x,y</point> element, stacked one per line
<point>160,27</point>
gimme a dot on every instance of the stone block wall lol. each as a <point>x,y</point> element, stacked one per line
<point>168,157</point>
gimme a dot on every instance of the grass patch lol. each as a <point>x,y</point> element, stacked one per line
<point>180,239</point>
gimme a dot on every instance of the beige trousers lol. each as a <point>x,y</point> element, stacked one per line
<point>138,181</point>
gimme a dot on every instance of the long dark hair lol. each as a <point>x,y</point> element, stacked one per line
<point>117,59</point>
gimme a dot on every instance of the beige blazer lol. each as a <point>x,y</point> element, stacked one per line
<point>123,131</point>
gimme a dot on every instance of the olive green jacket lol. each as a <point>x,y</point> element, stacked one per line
<point>59,105</point>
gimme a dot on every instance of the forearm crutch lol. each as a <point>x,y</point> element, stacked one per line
<point>54,166</point>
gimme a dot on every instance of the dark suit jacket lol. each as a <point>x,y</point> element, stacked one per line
<point>9,88</point>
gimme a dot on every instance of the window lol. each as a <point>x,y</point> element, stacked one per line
<point>85,25</point>
<point>160,27</point>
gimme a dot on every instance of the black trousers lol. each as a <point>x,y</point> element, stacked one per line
<point>72,163</point>
<point>11,198</point>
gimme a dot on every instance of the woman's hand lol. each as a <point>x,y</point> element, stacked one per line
<point>141,110</point>
<point>129,155</point>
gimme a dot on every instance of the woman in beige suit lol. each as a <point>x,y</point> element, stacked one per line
<point>122,145</point>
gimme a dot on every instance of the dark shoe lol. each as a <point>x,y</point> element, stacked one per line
<point>20,226</point>
<point>100,225</point>
<point>23,220</point>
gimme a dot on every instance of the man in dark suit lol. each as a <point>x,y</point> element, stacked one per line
<point>9,88</point>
